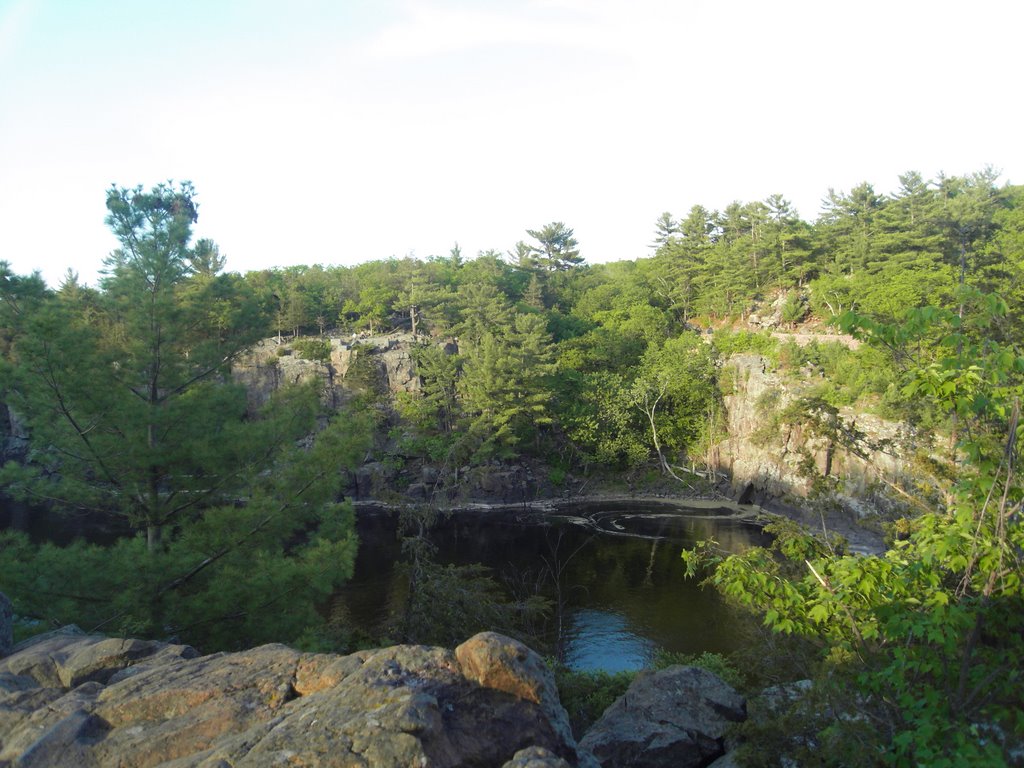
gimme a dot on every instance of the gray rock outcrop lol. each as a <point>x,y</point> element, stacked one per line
<point>13,436</point>
<point>535,757</point>
<point>92,701</point>
<point>769,458</point>
<point>273,363</point>
<point>674,717</point>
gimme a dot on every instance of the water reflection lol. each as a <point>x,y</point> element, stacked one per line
<point>605,640</point>
<point>620,575</point>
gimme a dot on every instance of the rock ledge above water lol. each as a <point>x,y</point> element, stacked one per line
<point>84,700</point>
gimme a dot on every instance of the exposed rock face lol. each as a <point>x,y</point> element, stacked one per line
<point>90,701</point>
<point>768,461</point>
<point>13,436</point>
<point>272,363</point>
<point>674,717</point>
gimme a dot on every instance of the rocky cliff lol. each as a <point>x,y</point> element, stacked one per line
<point>13,436</point>
<point>274,362</point>
<point>775,451</point>
<point>850,457</point>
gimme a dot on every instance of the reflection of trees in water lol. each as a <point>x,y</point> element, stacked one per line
<point>556,561</point>
<point>570,565</point>
<point>648,577</point>
<point>445,602</point>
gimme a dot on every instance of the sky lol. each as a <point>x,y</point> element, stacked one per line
<point>342,131</point>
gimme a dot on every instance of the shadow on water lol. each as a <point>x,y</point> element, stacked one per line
<point>621,575</point>
<point>45,525</point>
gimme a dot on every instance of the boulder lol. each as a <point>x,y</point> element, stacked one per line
<point>674,717</point>
<point>67,658</point>
<point>6,625</point>
<point>504,664</point>
<point>728,760</point>
<point>141,703</point>
<point>535,757</point>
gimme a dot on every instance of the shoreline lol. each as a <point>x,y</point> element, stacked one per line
<point>860,541</point>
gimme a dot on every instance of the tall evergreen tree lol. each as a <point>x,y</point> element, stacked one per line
<point>557,248</point>
<point>681,259</point>
<point>505,387</point>
<point>849,225</point>
<point>665,228</point>
<point>132,412</point>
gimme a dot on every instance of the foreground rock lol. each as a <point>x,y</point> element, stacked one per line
<point>91,701</point>
<point>675,717</point>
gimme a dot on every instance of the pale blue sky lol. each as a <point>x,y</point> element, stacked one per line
<point>337,132</point>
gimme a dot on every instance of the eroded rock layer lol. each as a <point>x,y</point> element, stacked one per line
<point>73,699</point>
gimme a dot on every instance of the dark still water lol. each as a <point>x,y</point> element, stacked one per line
<point>621,575</point>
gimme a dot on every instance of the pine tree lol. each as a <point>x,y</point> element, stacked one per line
<point>505,387</point>
<point>557,248</point>
<point>132,412</point>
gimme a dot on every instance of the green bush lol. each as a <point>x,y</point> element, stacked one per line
<point>712,662</point>
<point>729,342</point>
<point>586,695</point>
<point>313,349</point>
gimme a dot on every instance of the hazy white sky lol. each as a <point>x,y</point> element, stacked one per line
<point>339,131</point>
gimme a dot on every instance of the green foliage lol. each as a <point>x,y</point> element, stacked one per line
<point>599,419</point>
<point>586,695</point>
<point>675,390</point>
<point>794,310</point>
<point>436,407</point>
<point>928,633</point>
<point>313,349</point>
<point>132,412</point>
<point>445,604</point>
<point>728,342</point>
<point>712,662</point>
<point>365,376</point>
<point>505,387</point>
<point>235,576</point>
<point>556,249</point>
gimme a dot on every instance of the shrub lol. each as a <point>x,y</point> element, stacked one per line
<point>712,662</point>
<point>586,695</point>
<point>313,349</point>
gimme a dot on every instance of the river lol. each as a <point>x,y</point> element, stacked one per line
<point>621,579</point>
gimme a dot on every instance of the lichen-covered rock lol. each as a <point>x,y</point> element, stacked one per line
<point>504,664</point>
<point>145,704</point>
<point>674,717</point>
<point>66,658</point>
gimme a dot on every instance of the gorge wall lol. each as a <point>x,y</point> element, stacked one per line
<point>779,448</point>
<point>850,457</point>
<point>274,362</point>
<point>767,455</point>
